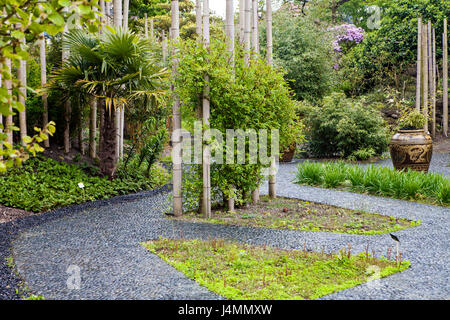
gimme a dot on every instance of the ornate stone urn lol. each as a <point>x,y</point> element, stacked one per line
<point>411,149</point>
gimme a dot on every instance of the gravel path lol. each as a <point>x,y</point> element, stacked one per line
<point>101,240</point>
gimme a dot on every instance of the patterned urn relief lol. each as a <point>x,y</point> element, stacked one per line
<point>411,149</point>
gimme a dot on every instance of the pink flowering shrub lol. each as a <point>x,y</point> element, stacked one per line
<point>346,36</point>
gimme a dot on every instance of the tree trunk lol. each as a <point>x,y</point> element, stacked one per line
<point>430,66</point>
<point>419,63</point>
<point>425,75</point>
<point>198,18</point>
<point>118,19</point>
<point>67,106</point>
<point>230,30</point>
<point>9,118</point>
<point>176,134</point>
<point>247,32</point>
<point>145,25</point>
<point>241,20</point>
<point>126,6</point>
<point>93,128</point>
<point>445,79</point>
<point>22,75</point>
<point>206,207</point>
<point>433,92</point>
<point>164,47</point>
<point>43,83</point>
<point>272,168</point>
<point>108,12</point>
<point>255,39</point>
<point>108,157</point>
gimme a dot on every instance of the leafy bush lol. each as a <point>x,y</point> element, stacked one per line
<point>303,49</point>
<point>386,53</point>
<point>339,127</point>
<point>254,97</point>
<point>383,181</point>
<point>44,184</point>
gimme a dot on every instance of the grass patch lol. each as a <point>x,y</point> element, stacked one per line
<point>43,184</point>
<point>292,214</point>
<point>241,271</point>
<point>382,181</point>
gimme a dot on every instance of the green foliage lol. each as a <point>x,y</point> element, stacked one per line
<point>303,49</point>
<point>254,97</point>
<point>45,184</point>
<point>412,120</point>
<point>247,272</point>
<point>28,19</point>
<point>382,181</point>
<point>340,127</point>
<point>386,53</point>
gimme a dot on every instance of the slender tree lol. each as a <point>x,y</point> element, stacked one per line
<point>176,135</point>
<point>198,18</point>
<point>419,63</point>
<point>145,25</point>
<point>425,74</point>
<point>272,168</point>
<point>118,21</point>
<point>241,20</point>
<point>9,118</point>
<point>433,92</point>
<point>164,47</point>
<point>206,196</point>
<point>255,26</point>
<point>43,83</point>
<point>247,31</point>
<point>126,8</point>
<point>22,75</point>
<point>445,79</point>
<point>229,29</point>
<point>108,13</point>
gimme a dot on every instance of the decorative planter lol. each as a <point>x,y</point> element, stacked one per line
<point>411,149</point>
<point>288,155</point>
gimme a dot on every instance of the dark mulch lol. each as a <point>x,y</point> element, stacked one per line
<point>10,214</point>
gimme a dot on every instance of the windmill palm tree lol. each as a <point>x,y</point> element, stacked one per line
<point>118,69</point>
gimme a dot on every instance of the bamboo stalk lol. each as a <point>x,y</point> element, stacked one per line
<point>425,75</point>
<point>272,168</point>
<point>145,25</point>
<point>22,75</point>
<point>43,62</point>
<point>419,63</point>
<point>247,32</point>
<point>241,20</point>
<point>445,79</point>
<point>255,26</point>
<point>198,18</point>
<point>230,30</point>
<point>126,6</point>
<point>433,92</point>
<point>176,134</point>
<point>206,197</point>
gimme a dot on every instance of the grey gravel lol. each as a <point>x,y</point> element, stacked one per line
<point>104,242</point>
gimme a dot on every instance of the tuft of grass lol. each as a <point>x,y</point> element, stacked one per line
<point>242,271</point>
<point>383,181</point>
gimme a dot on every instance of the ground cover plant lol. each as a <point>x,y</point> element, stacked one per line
<point>292,214</point>
<point>242,271</point>
<point>43,184</point>
<point>383,181</point>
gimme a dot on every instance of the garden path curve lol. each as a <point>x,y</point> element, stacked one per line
<point>101,240</point>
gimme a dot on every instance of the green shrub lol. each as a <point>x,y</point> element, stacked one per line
<point>303,49</point>
<point>44,184</point>
<point>339,127</point>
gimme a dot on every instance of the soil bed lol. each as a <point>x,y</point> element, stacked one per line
<point>292,214</point>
